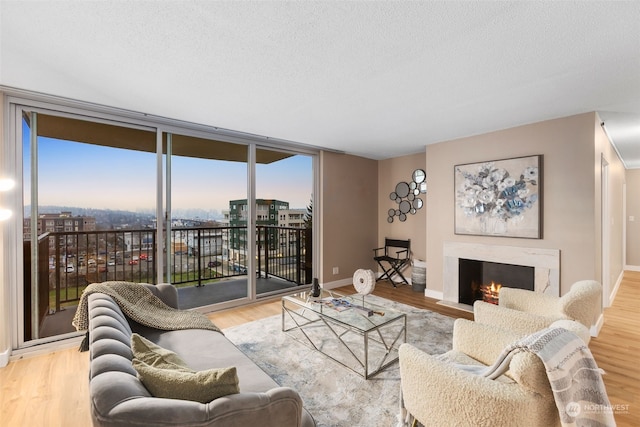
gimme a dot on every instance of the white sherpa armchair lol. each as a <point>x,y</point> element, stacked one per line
<point>525,312</point>
<point>437,393</point>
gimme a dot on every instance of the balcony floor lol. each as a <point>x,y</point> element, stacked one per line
<point>228,290</point>
<point>188,297</point>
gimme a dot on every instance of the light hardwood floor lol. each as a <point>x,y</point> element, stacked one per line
<point>52,389</point>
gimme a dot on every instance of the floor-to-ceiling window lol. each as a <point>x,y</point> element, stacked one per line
<point>207,254</point>
<point>88,213</point>
<point>224,219</point>
<point>284,206</point>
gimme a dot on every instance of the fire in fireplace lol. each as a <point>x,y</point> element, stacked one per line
<point>491,292</point>
<point>482,280</point>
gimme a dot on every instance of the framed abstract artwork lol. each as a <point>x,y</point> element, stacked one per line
<point>499,198</point>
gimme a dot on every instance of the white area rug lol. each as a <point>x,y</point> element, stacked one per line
<point>333,394</point>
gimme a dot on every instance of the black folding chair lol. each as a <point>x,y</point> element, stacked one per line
<point>395,253</point>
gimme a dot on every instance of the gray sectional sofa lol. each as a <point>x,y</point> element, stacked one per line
<point>118,398</point>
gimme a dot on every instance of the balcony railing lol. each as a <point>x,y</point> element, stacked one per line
<point>197,256</point>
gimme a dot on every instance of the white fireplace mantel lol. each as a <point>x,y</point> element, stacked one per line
<point>546,264</point>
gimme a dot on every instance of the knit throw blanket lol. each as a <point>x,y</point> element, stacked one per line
<point>576,380</point>
<point>141,305</point>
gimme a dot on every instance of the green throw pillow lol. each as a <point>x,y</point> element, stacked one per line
<point>154,355</point>
<point>166,375</point>
<point>201,386</point>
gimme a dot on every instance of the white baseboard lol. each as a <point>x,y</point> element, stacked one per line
<point>338,283</point>
<point>433,294</point>
<point>632,267</point>
<point>595,329</point>
<point>614,291</point>
<point>4,358</point>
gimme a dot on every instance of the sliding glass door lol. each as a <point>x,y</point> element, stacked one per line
<point>220,229</point>
<point>284,189</point>
<point>104,198</point>
<point>89,212</point>
<point>207,255</point>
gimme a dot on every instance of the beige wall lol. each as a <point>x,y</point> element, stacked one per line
<point>390,173</point>
<point>349,215</point>
<point>633,210</point>
<point>569,188</point>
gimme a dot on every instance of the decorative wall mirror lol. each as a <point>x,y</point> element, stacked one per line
<point>406,196</point>
<point>419,176</point>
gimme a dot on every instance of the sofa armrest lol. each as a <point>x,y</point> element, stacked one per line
<point>280,406</point>
<point>440,394</point>
<point>166,292</point>
<point>481,342</point>
<point>519,322</point>
<point>574,326</point>
<point>485,344</point>
<point>583,302</point>
<point>530,302</point>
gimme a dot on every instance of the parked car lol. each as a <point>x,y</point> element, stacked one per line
<point>70,268</point>
<point>133,262</point>
<point>214,264</point>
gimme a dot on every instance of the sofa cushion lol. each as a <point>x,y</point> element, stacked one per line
<point>202,350</point>
<point>165,374</point>
<point>183,383</point>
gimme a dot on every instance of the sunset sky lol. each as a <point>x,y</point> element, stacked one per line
<point>93,176</point>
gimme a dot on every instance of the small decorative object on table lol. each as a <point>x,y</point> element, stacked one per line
<point>364,281</point>
<point>315,288</point>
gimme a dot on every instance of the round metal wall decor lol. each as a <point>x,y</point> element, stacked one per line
<point>406,196</point>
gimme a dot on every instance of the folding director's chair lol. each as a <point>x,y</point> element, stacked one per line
<point>395,253</point>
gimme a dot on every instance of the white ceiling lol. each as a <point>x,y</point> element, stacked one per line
<point>376,79</point>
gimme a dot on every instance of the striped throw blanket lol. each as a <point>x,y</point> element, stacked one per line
<point>576,380</point>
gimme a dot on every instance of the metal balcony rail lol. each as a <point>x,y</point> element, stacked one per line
<point>197,256</point>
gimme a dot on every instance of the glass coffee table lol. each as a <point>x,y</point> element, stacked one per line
<point>359,335</point>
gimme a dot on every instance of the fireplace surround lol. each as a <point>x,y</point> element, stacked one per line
<point>545,262</point>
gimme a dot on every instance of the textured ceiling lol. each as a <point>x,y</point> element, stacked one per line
<point>376,79</point>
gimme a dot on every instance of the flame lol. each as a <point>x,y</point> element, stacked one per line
<point>491,293</point>
<point>495,287</point>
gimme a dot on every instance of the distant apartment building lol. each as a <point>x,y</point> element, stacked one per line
<point>138,241</point>
<point>292,218</point>
<point>60,222</point>
<point>285,217</point>
<point>266,215</point>
<point>266,211</point>
<point>204,242</point>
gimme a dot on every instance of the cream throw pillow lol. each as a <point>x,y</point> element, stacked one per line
<point>166,375</point>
